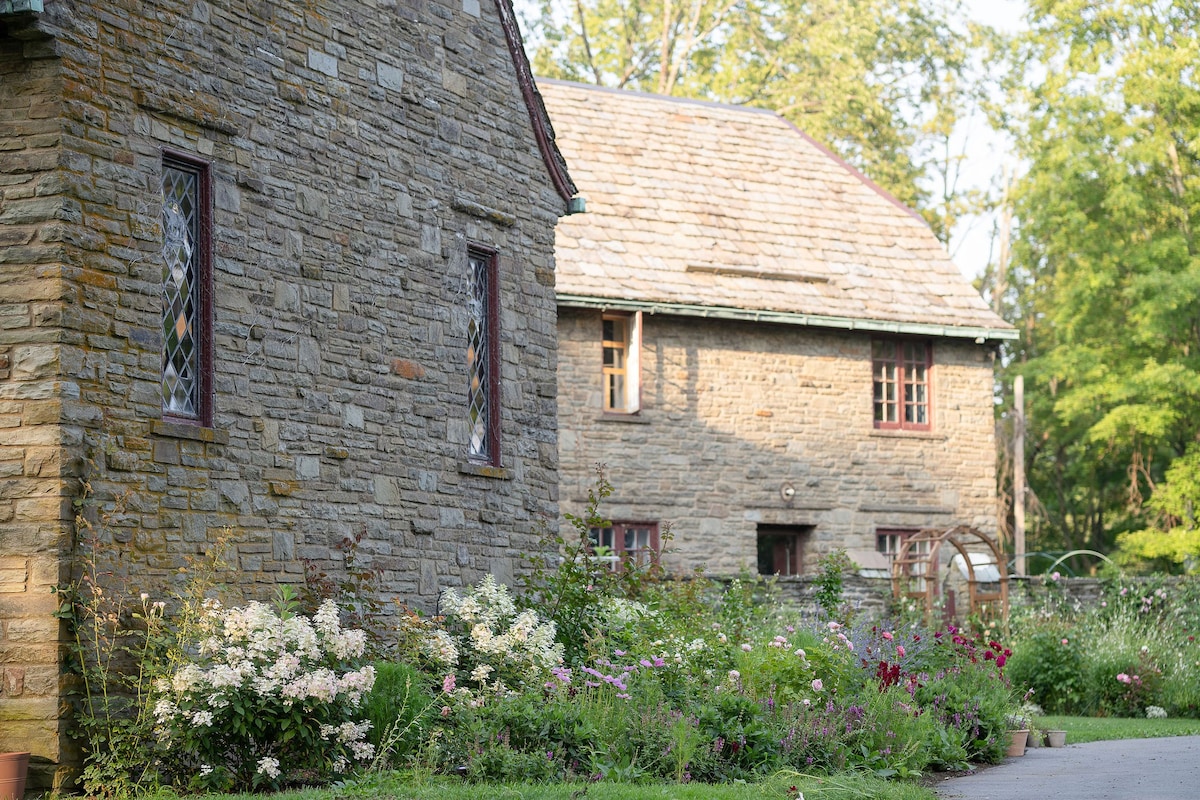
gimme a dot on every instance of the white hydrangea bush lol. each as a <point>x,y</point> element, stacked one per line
<point>489,643</point>
<point>268,698</point>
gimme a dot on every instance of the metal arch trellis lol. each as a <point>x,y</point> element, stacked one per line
<point>916,571</point>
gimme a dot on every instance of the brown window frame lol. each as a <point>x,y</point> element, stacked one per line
<point>902,366</point>
<point>202,319</point>
<point>489,452</point>
<point>619,555</point>
<point>786,543</point>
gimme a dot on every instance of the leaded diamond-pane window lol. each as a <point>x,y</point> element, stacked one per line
<point>180,365</point>
<point>481,358</point>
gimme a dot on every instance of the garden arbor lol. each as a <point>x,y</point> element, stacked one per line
<point>918,572</point>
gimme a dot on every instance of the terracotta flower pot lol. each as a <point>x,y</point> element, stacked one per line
<point>1016,746</point>
<point>13,769</point>
<point>1056,738</point>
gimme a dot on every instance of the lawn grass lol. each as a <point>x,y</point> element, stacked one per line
<point>1095,729</point>
<point>396,786</point>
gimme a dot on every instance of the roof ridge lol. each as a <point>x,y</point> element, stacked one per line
<point>654,96</point>
<point>824,148</point>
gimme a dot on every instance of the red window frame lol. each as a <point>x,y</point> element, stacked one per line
<point>902,385</point>
<point>486,376</point>
<point>202,318</point>
<point>617,535</point>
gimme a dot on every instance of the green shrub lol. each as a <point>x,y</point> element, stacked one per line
<point>1049,662</point>
<point>399,707</point>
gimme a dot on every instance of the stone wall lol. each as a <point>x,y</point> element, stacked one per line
<point>356,149</point>
<point>733,411</point>
<point>36,215</point>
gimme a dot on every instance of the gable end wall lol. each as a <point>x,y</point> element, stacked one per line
<point>356,148</point>
<point>733,411</point>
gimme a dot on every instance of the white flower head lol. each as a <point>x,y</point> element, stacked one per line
<point>268,766</point>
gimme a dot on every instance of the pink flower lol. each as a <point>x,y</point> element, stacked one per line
<point>1065,642</point>
<point>887,635</point>
<point>817,685</point>
<point>1055,576</point>
<point>448,683</point>
<point>899,651</point>
<point>1123,678</point>
<point>747,647</point>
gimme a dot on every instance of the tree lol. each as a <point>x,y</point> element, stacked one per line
<point>1105,263</point>
<point>881,82</point>
<point>1173,542</point>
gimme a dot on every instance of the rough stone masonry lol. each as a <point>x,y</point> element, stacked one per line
<point>356,150</point>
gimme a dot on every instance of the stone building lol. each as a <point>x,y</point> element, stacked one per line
<point>282,269</point>
<point>767,352</point>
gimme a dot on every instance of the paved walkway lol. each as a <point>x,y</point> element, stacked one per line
<point>1130,769</point>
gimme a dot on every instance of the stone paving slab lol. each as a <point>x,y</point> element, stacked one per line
<point>1128,769</point>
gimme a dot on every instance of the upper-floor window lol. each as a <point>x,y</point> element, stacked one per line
<point>621,343</point>
<point>626,542</point>
<point>483,356</point>
<point>186,291</point>
<point>901,383</point>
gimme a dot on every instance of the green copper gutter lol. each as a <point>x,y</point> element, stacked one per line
<point>979,334</point>
<point>20,6</point>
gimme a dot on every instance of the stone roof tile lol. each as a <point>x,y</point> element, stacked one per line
<point>774,222</point>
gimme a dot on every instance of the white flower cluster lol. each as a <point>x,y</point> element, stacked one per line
<point>1156,712</point>
<point>618,612</point>
<point>496,637</point>
<point>251,651</point>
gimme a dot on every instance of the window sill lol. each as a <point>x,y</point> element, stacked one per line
<point>184,430</point>
<point>484,471</point>
<point>631,419</point>
<point>901,433</point>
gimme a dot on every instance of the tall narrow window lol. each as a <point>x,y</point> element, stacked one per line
<point>483,408</point>
<point>186,279</point>
<point>621,336</point>
<point>901,383</point>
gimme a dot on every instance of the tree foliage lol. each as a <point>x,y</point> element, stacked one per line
<point>881,82</point>
<point>1106,112</point>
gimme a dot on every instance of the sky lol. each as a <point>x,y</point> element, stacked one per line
<point>972,242</point>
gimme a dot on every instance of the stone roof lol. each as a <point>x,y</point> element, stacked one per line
<point>704,205</point>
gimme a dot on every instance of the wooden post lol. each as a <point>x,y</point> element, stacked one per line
<point>1019,473</point>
